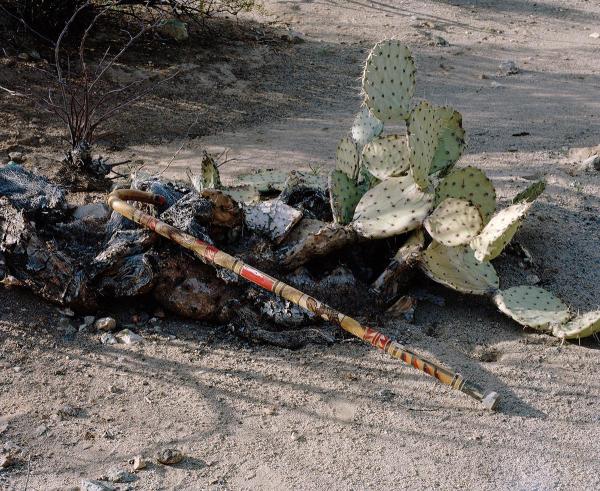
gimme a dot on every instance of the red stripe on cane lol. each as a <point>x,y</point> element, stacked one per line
<point>257,277</point>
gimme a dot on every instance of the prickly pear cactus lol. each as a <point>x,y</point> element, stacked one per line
<point>209,173</point>
<point>388,81</point>
<point>386,156</point>
<point>346,158</point>
<point>394,206</point>
<point>344,195</point>
<point>499,231</point>
<point>457,268</point>
<point>451,140</point>
<point>424,128</point>
<point>532,306</point>
<point>471,184</point>
<point>582,326</point>
<point>365,127</point>
<point>531,193</point>
<point>454,222</point>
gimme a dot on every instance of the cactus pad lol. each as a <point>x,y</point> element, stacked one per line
<point>365,127</point>
<point>457,268</point>
<point>454,222</point>
<point>394,206</point>
<point>388,80</point>
<point>344,195</point>
<point>532,306</point>
<point>471,184</point>
<point>499,231</point>
<point>531,193</point>
<point>423,135</point>
<point>243,194</point>
<point>451,140</point>
<point>346,157</point>
<point>387,156</point>
<point>269,180</point>
<point>580,327</point>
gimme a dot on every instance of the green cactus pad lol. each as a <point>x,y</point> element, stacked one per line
<point>457,268</point>
<point>388,80</point>
<point>346,157</point>
<point>387,156</point>
<point>365,127</point>
<point>269,180</point>
<point>531,193</point>
<point>532,306</point>
<point>451,140</point>
<point>471,184</point>
<point>394,206</point>
<point>265,180</point>
<point>454,222</point>
<point>424,127</point>
<point>499,231</point>
<point>581,327</point>
<point>344,195</point>
<point>243,194</point>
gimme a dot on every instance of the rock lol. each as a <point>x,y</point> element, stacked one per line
<point>67,312</point>
<point>293,37</point>
<point>118,475</point>
<point>88,320</point>
<point>6,460</point>
<point>97,211</point>
<point>272,218</point>
<point>96,485</point>
<point>595,35</point>
<point>385,395</point>
<point>40,430</point>
<point>174,29</point>
<point>23,56</point>
<point>169,456</point>
<point>591,163</point>
<point>508,67</point>
<point>68,411</point>
<point>138,463</point>
<point>105,324</point>
<point>16,156</point>
<point>128,337</point>
<point>532,279</point>
<point>108,338</point>
<point>439,41</point>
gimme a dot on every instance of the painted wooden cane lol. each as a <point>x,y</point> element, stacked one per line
<point>117,201</point>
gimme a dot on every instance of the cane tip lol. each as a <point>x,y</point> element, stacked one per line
<point>489,400</point>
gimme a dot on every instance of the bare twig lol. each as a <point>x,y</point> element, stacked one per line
<point>183,142</point>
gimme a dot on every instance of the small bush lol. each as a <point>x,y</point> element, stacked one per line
<point>48,17</point>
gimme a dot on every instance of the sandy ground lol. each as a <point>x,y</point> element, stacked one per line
<point>256,417</point>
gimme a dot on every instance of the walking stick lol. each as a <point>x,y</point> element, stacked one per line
<point>209,253</point>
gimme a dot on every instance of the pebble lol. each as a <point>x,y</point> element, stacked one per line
<point>169,456</point>
<point>88,320</point>
<point>385,395</point>
<point>508,67</point>
<point>595,35</point>
<point>95,485</point>
<point>439,41</point>
<point>67,312</point>
<point>108,338</point>
<point>119,475</point>
<point>533,279</point>
<point>105,324</point>
<point>138,463</point>
<point>68,411</point>
<point>16,156</point>
<point>40,430</point>
<point>128,337</point>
